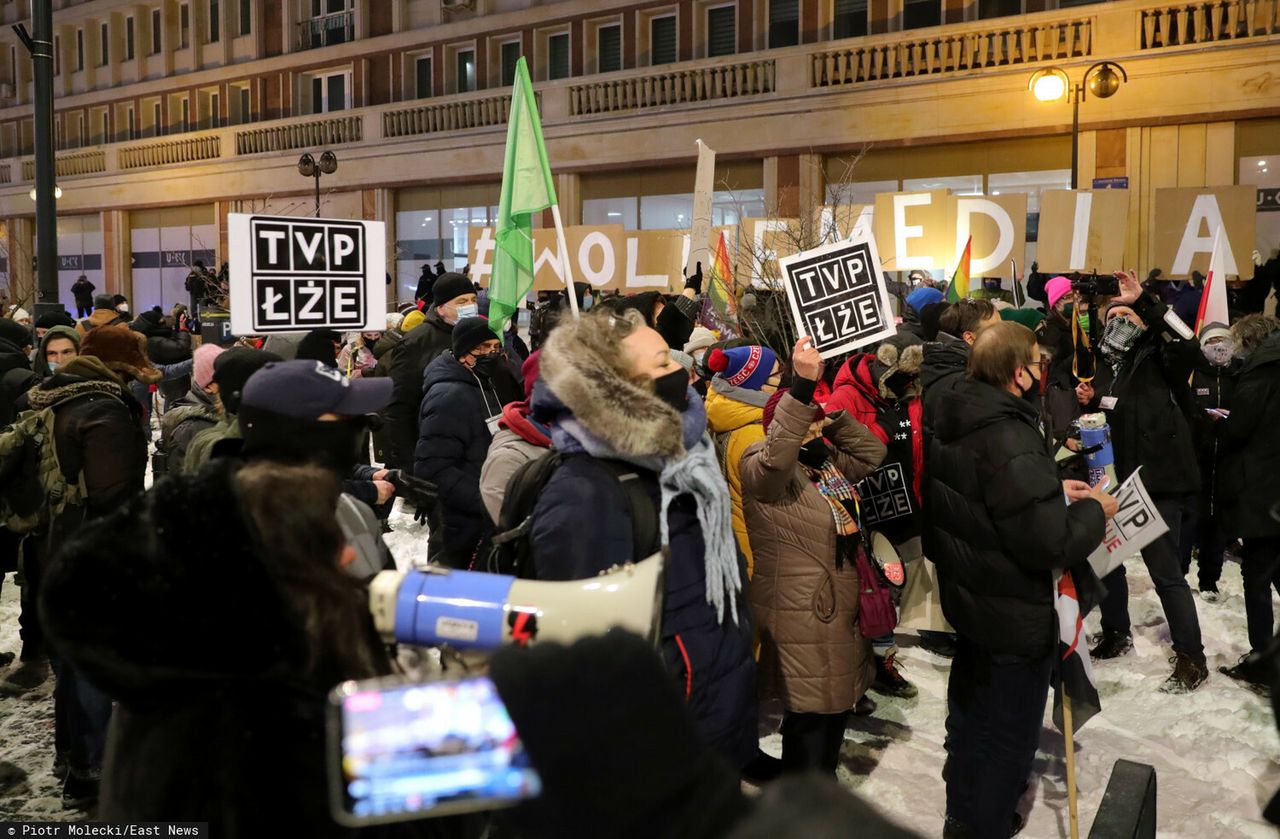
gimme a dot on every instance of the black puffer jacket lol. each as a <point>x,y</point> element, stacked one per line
<point>453,441</point>
<point>165,346</point>
<point>944,365</point>
<point>1149,423</point>
<point>409,361</point>
<point>995,522</point>
<point>1251,463</point>
<point>15,378</point>
<point>1211,387</point>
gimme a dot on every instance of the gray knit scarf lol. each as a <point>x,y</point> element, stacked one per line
<point>744,395</point>
<point>697,473</point>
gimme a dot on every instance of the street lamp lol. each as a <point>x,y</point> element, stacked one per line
<point>309,167</point>
<point>57,192</point>
<point>1052,84</point>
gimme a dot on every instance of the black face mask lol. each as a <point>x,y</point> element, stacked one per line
<point>815,453</point>
<point>272,436</point>
<point>487,364</point>
<point>673,388</point>
<point>1031,394</point>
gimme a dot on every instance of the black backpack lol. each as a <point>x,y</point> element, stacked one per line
<point>511,552</point>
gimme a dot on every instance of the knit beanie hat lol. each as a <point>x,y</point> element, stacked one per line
<point>683,359</point>
<point>411,320</point>
<point>1056,289</point>
<point>51,319</point>
<point>202,364</point>
<point>104,301</point>
<point>15,333</point>
<point>771,407</point>
<point>394,319</point>
<point>232,369</point>
<point>1030,318</point>
<point>922,297</point>
<point>450,286</point>
<point>18,313</point>
<point>929,317</point>
<point>699,339</point>
<point>745,367</point>
<point>122,351</point>
<point>1216,329</point>
<point>470,333</point>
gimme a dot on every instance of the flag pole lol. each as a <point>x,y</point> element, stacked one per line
<point>564,249</point>
<point>1067,730</point>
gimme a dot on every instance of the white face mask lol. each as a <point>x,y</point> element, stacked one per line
<point>467,310</point>
<point>122,308</point>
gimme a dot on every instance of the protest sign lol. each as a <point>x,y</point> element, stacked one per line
<point>1135,526</point>
<point>1188,218</point>
<point>1082,229</point>
<point>838,296</point>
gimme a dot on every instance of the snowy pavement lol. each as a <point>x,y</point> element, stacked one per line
<point>1216,752</point>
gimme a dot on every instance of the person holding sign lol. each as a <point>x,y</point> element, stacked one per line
<point>997,528</point>
<point>801,513</point>
<point>1147,403</point>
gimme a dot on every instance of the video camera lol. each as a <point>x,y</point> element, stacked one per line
<point>1095,285</point>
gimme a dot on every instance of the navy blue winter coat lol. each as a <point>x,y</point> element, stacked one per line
<point>453,441</point>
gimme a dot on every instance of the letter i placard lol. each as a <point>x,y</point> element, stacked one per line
<point>291,274</point>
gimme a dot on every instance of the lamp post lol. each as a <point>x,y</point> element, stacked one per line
<point>309,167</point>
<point>39,42</point>
<point>1052,84</point>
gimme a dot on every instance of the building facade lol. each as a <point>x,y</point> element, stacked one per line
<point>172,113</point>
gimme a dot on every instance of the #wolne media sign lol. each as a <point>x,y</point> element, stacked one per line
<point>292,274</point>
<point>837,295</point>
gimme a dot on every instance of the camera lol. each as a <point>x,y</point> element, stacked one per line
<point>1096,286</point>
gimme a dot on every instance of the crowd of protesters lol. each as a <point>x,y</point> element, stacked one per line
<point>811,512</point>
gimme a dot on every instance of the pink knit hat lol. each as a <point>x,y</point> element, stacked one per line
<point>1056,289</point>
<point>202,369</point>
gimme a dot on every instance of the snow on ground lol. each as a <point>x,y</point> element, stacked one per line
<point>1216,752</point>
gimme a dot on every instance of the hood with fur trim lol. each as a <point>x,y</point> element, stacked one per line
<point>123,351</point>
<point>627,415</point>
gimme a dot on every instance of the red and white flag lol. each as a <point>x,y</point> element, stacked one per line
<point>1075,671</point>
<point>1213,300</point>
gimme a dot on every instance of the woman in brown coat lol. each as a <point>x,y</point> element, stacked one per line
<point>798,498</point>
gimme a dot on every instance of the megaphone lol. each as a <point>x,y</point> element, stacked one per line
<point>433,606</point>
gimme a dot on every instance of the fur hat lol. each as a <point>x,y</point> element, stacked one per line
<point>903,353</point>
<point>744,367</point>
<point>470,333</point>
<point>123,351</point>
<point>450,287</point>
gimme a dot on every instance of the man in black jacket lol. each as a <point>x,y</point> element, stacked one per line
<point>946,358</point>
<point>997,526</point>
<point>454,298</point>
<point>1147,404</point>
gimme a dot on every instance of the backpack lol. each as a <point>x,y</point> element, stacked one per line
<point>511,552</point>
<point>33,489</point>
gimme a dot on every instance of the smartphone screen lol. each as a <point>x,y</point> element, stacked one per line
<point>408,751</point>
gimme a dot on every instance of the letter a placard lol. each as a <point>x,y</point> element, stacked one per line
<point>293,274</point>
<point>838,296</point>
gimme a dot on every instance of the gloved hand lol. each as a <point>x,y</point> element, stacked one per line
<point>695,282</point>
<point>421,494</point>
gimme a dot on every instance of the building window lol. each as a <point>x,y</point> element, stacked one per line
<point>215,22</point>
<point>239,105</point>
<point>423,80</point>
<point>722,31</point>
<point>246,17</point>
<point>510,57</point>
<point>104,43</point>
<point>156,122</point>
<point>215,110</point>
<point>850,20</point>
<point>464,68</point>
<point>128,38</point>
<point>132,124</point>
<point>106,128</point>
<point>184,26</point>
<point>609,48</point>
<point>331,22</point>
<point>662,40</point>
<point>920,13</point>
<point>186,115</point>
<point>330,92</point>
<point>558,56</point>
<point>79,50</point>
<point>156,29</point>
<point>784,23</point>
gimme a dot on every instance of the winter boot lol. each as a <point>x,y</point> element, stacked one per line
<point>80,790</point>
<point>762,768</point>
<point>1248,671</point>
<point>939,643</point>
<point>26,677</point>
<point>889,680</point>
<point>1189,673</point>
<point>1112,645</point>
<point>6,659</point>
<point>865,707</point>
<point>1209,593</point>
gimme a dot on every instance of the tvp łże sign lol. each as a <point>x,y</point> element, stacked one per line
<point>837,295</point>
<point>292,274</point>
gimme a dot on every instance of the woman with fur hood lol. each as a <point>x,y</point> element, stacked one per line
<point>882,391</point>
<point>800,508</point>
<point>616,402</point>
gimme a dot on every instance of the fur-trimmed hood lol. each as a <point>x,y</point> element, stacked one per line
<point>82,374</point>
<point>627,415</point>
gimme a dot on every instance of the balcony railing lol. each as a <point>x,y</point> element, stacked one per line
<point>1182,24</point>
<point>298,135</point>
<point>455,115</point>
<point>185,150</point>
<point>951,52</point>
<point>674,87</point>
<point>327,30</point>
<point>89,162</point>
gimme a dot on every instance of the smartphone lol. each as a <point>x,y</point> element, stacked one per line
<point>402,750</point>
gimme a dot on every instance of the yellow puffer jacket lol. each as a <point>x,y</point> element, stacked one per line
<point>735,426</point>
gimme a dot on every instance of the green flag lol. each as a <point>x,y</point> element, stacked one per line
<point>527,188</point>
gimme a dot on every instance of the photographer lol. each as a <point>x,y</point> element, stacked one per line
<point>1147,405</point>
<point>996,527</point>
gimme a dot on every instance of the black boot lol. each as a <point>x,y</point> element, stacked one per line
<point>80,790</point>
<point>1189,673</point>
<point>890,681</point>
<point>1112,645</point>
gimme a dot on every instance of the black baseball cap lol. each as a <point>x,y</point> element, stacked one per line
<point>307,389</point>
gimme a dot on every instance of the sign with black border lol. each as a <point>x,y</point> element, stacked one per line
<point>838,296</point>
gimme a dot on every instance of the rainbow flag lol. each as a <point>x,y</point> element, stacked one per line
<point>959,288</point>
<point>722,296</point>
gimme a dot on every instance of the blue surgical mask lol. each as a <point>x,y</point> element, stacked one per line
<point>468,310</point>
<point>586,302</point>
<point>53,366</point>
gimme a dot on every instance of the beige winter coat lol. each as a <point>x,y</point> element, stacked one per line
<point>812,652</point>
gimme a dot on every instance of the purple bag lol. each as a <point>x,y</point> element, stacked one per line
<point>877,615</point>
